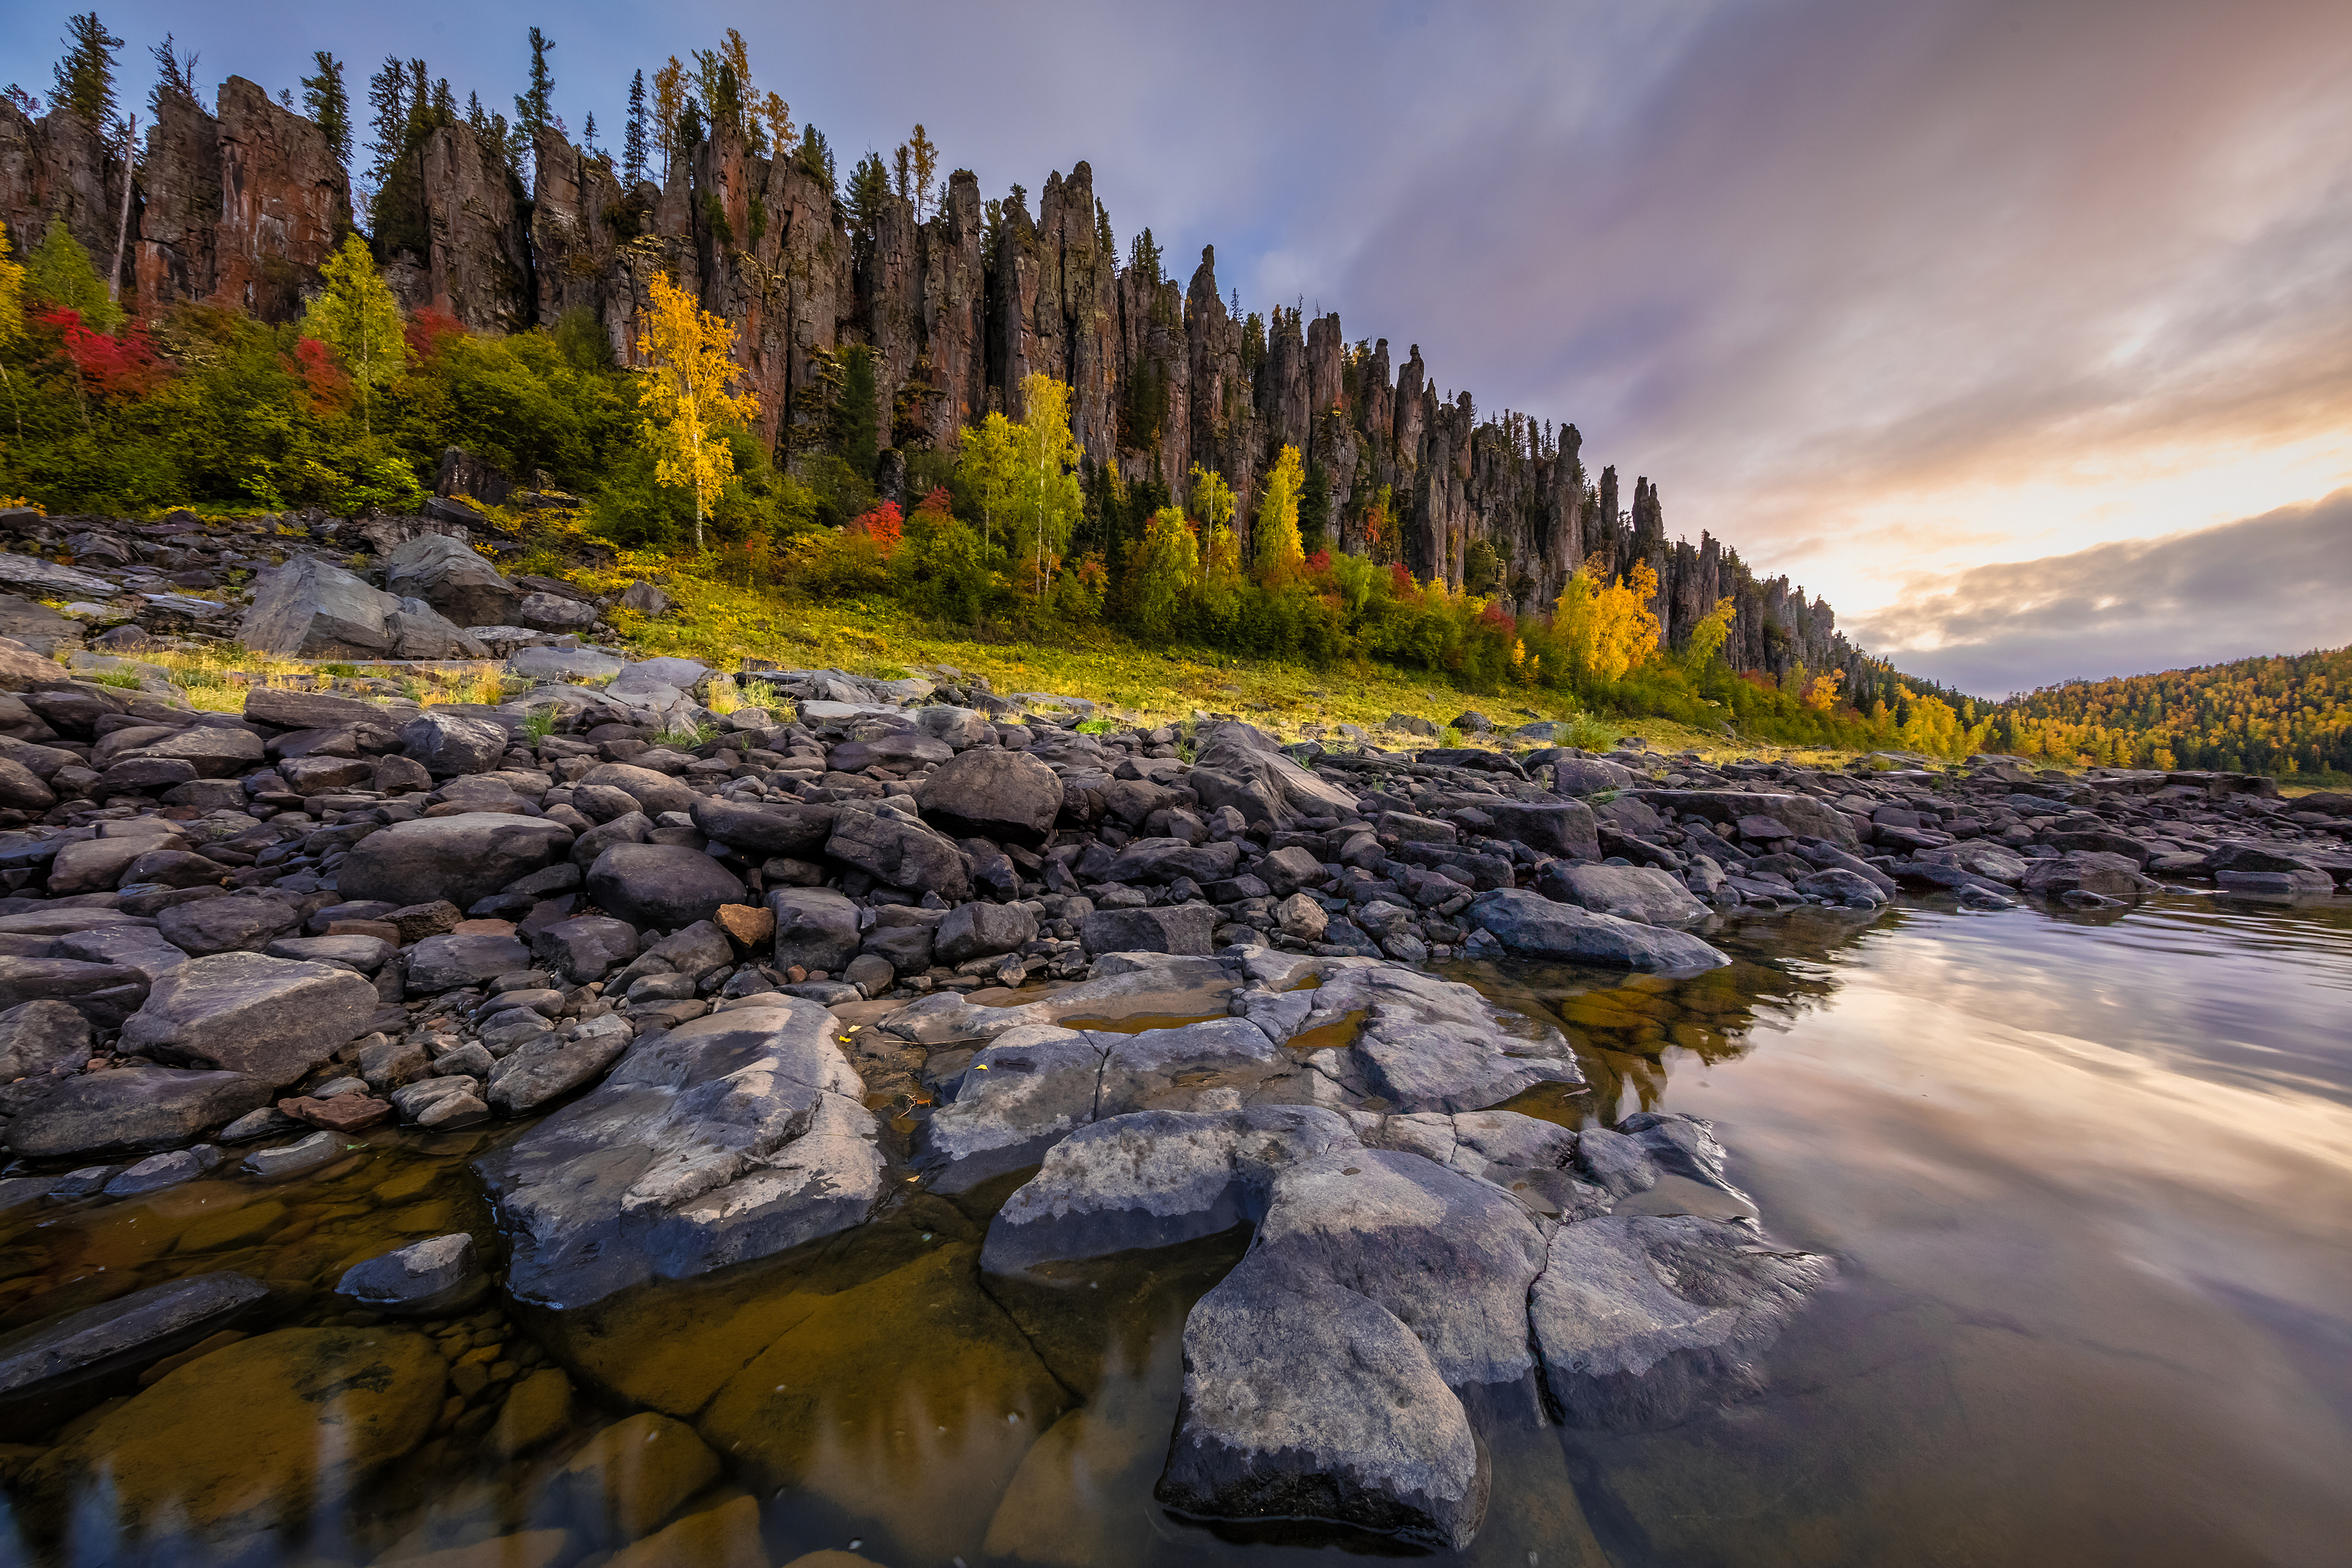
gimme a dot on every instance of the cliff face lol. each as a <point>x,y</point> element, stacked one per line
<point>242,205</point>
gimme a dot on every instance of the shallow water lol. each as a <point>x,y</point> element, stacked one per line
<point>2086,1176</point>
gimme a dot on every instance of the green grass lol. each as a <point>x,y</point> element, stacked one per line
<point>123,679</point>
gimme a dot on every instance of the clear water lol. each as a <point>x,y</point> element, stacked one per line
<point>2089,1179</point>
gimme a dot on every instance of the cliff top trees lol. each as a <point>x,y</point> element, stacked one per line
<point>686,400</point>
<point>633,138</point>
<point>174,73</point>
<point>326,100</point>
<point>669,103</point>
<point>356,315</point>
<point>85,76</point>
<point>534,107</point>
<point>923,154</point>
<point>1278,516</point>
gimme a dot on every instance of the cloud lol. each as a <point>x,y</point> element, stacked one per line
<point>2280,582</point>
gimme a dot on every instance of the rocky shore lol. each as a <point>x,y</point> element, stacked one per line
<point>725,985</point>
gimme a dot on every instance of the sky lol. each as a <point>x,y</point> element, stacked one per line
<point>2015,329</point>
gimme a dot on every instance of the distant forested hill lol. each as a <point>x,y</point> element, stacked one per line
<point>2276,714</point>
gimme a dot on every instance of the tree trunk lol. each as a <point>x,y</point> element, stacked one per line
<point>122,227</point>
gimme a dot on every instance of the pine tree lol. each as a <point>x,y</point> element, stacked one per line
<point>532,108</point>
<point>388,118</point>
<point>355,315</point>
<point>686,402</point>
<point>588,135</point>
<point>869,191</point>
<point>1143,256</point>
<point>926,155</point>
<point>174,74</point>
<point>902,174</point>
<point>816,157</point>
<point>84,77</point>
<point>632,140</point>
<point>327,102</point>
<point>1314,511</point>
<point>776,116</point>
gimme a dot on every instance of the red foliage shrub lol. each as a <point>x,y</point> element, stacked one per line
<point>1320,561</point>
<point>327,383</point>
<point>884,524</point>
<point>425,330</point>
<point>125,367</point>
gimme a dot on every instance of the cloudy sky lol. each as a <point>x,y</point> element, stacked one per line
<point>1963,314</point>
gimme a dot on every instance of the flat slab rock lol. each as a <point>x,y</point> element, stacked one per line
<point>81,1359</point>
<point>731,1137</point>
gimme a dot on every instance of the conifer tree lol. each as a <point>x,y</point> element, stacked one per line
<point>633,138</point>
<point>870,190</point>
<point>669,103</point>
<point>325,102</point>
<point>926,155</point>
<point>533,107</point>
<point>687,402</point>
<point>588,135</point>
<point>355,315</point>
<point>85,76</point>
<point>174,73</point>
<point>776,116</point>
<point>387,118</point>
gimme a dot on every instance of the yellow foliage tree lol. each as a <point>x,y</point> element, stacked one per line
<point>1609,631</point>
<point>12,315</point>
<point>1278,550</point>
<point>1935,729</point>
<point>1212,499</point>
<point>1047,499</point>
<point>685,399</point>
<point>356,315</point>
<point>1707,638</point>
<point>1821,695</point>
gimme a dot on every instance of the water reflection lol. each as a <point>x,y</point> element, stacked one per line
<point>2086,1178</point>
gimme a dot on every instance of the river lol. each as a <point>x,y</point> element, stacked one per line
<point>2088,1180</point>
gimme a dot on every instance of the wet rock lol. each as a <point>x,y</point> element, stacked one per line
<point>339,1113</point>
<point>899,852</point>
<point>1531,926</point>
<point>1844,887</point>
<point>230,1445</point>
<point>535,1413</point>
<point>461,858</point>
<point>449,745</point>
<point>267,1018</point>
<point>158,1171</point>
<point>733,1136</point>
<point>990,792</point>
<point>630,1477</point>
<point>315,1152</point>
<point>1640,1319</point>
<point>1305,1400</point>
<point>84,1357</point>
<point>2087,871</point>
<point>661,886</point>
<point>816,927</point>
<point>727,1536</point>
<point>423,1279</point>
<point>1656,897</point>
<point>1174,927</point>
<point>241,922</point>
<point>551,1066</point>
<point>1419,1043</point>
<point>38,1035</point>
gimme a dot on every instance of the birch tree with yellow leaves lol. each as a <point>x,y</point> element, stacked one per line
<point>686,398</point>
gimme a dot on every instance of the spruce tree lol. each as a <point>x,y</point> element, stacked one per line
<point>632,140</point>
<point>174,74</point>
<point>388,118</point>
<point>588,135</point>
<point>327,102</point>
<point>533,109</point>
<point>85,78</point>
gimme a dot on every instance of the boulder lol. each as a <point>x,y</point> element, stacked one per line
<point>287,710</point>
<point>559,665</point>
<point>1413,1042</point>
<point>451,577</point>
<point>1529,925</point>
<point>1658,899</point>
<point>127,1111</point>
<point>212,750</point>
<point>661,886</point>
<point>554,1065</point>
<point>1568,829</point>
<point>1639,1320</point>
<point>1243,767</point>
<point>643,598</point>
<point>1171,928</point>
<point>761,832</point>
<point>96,865</point>
<point>1153,861</point>
<point>105,994</point>
<point>269,1018</point>
<point>445,963</point>
<point>899,852</point>
<point>816,927</point>
<point>1292,868</point>
<point>240,922</point>
<point>1303,1399</point>
<point>654,793</point>
<point>990,792</point>
<point>1801,814</point>
<point>982,931</point>
<point>310,609</point>
<point>2087,871</point>
<point>431,1278</point>
<point>449,745</point>
<point>585,947</point>
<point>419,631</point>
<point>38,1035</point>
<point>732,1137</point>
<point>554,612</point>
<point>99,1351</point>
<point>629,1477</point>
<point>462,859</point>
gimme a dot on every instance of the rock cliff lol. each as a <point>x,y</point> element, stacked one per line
<point>238,206</point>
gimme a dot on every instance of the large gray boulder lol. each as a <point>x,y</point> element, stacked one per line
<point>1655,897</point>
<point>105,994</point>
<point>898,851</point>
<point>310,609</point>
<point>1565,828</point>
<point>585,947</point>
<point>131,1110</point>
<point>816,927</point>
<point>990,792</point>
<point>1305,1400</point>
<point>81,1359</point>
<point>462,859</point>
<point>789,828</point>
<point>734,1137</point>
<point>1529,925</point>
<point>654,793</point>
<point>38,1035</point>
<point>451,577</point>
<point>555,1064</point>
<point>1152,861</point>
<point>2088,871</point>
<point>269,1018</point>
<point>446,962</point>
<point>1170,928</point>
<point>1243,767</point>
<point>449,745</point>
<point>1641,1319</point>
<point>287,710</point>
<point>419,631</point>
<point>240,922</point>
<point>214,751</point>
<point>982,931</point>
<point>661,886</point>
<point>1806,816</point>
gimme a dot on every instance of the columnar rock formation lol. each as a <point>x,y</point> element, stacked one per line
<point>959,306</point>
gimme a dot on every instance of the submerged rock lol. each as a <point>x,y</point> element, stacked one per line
<point>81,1359</point>
<point>423,1279</point>
<point>1531,926</point>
